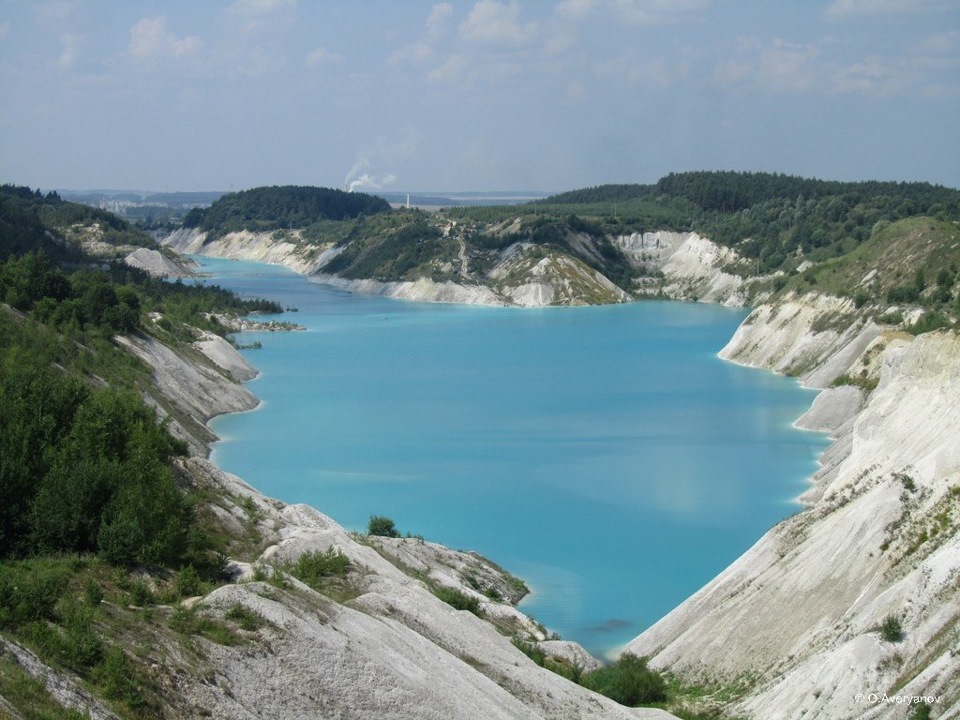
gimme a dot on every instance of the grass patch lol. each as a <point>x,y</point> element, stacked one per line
<point>867,384</point>
<point>191,621</point>
<point>458,600</point>
<point>313,568</point>
<point>245,618</point>
<point>29,695</point>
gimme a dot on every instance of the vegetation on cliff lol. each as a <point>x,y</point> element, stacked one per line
<point>279,208</point>
<point>779,227</point>
<point>89,490</point>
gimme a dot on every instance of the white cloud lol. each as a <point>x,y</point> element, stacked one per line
<point>151,39</point>
<point>437,27</point>
<point>850,8</point>
<point>649,12</point>
<point>417,53</point>
<point>942,42</point>
<point>631,68</point>
<point>788,67</point>
<point>320,57</point>
<point>497,23</point>
<point>259,7</point>
<point>777,67</point>
<point>260,16</point>
<point>452,70</point>
<point>576,9</point>
<point>872,76</point>
<point>71,48</point>
<point>439,19</point>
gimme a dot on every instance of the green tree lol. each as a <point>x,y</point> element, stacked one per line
<point>382,527</point>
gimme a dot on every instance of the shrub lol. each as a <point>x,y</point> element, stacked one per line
<point>891,629</point>
<point>246,618</point>
<point>458,600</point>
<point>141,595</point>
<point>629,682</point>
<point>312,567</point>
<point>187,582</point>
<point>93,593</point>
<point>28,593</point>
<point>192,622</point>
<point>382,527</point>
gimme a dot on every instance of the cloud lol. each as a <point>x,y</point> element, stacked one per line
<point>437,27</point>
<point>497,23</point>
<point>928,69</point>
<point>777,66</point>
<point>576,9</point>
<point>634,12</point>
<point>874,76</point>
<point>658,71</point>
<point>942,42</point>
<point>259,7</point>
<point>651,12</point>
<point>151,39</point>
<point>320,57</point>
<point>439,19</point>
<point>841,9</point>
<point>417,53</point>
<point>71,48</point>
<point>255,16</point>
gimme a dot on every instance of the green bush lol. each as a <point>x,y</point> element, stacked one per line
<point>629,682</point>
<point>382,526</point>
<point>891,629</point>
<point>141,595</point>
<point>29,592</point>
<point>93,593</point>
<point>458,600</point>
<point>187,582</point>
<point>312,567</point>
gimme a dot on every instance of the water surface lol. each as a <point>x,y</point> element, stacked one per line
<point>603,454</point>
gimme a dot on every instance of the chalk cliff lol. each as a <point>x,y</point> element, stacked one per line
<point>793,626</point>
<point>520,275</point>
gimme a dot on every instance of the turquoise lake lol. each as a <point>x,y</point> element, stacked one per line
<point>603,454</point>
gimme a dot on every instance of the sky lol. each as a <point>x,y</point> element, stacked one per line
<point>480,95</point>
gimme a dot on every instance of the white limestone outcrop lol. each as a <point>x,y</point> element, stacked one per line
<point>157,264</point>
<point>692,265</point>
<point>192,389</point>
<point>799,612</point>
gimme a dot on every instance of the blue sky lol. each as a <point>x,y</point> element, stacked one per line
<point>476,95</point>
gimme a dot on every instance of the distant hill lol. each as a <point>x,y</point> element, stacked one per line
<point>31,220</point>
<point>280,208</point>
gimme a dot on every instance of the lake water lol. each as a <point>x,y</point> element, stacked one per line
<point>603,454</point>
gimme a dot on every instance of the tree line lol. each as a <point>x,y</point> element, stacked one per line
<point>281,208</point>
